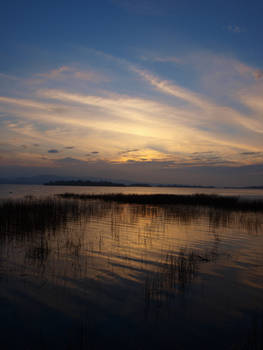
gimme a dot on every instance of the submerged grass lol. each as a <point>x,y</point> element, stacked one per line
<point>175,273</point>
<point>211,200</point>
<point>30,215</point>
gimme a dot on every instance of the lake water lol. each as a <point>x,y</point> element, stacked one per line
<point>18,191</point>
<point>125,276</point>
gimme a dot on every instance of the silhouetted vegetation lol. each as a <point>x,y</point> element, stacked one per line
<point>30,215</point>
<point>107,253</point>
<point>213,201</point>
<point>175,273</point>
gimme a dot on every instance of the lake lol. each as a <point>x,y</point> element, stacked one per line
<point>95,275</point>
<point>18,191</point>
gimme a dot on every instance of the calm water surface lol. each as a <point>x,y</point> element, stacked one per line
<point>135,277</point>
<point>19,191</point>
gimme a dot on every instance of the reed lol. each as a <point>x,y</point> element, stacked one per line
<point>30,215</point>
<point>213,201</point>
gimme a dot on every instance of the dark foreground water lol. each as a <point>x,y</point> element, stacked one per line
<point>125,276</point>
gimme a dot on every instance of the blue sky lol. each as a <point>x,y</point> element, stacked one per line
<point>159,91</point>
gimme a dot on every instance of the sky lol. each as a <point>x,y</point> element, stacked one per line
<point>143,90</point>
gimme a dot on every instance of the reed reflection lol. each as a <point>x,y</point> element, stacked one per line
<point>117,258</point>
<point>53,229</point>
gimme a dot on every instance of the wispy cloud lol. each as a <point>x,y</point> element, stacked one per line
<point>161,59</point>
<point>171,89</point>
<point>174,127</point>
<point>258,74</point>
<point>54,73</point>
<point>209,108</point>
<point>129,151</point>
<point>8,77</point>
<point>53,151</point>
<point>29,103</point>
<point>234,28</point>
<point>64,73</point>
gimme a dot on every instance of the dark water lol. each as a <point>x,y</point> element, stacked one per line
<point>135,277</point>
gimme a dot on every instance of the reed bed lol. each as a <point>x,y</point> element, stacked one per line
<point>30,215</point>
<point>230,203</point>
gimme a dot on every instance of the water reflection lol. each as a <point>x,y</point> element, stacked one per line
<point>121,275</point>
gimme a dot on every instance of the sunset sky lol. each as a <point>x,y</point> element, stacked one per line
<point>144,90</point>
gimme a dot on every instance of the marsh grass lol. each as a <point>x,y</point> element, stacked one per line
<point>38,253</point>
<point>53,240</point>
<point>175,273</point>
<point>221,211</point>
<point>213,201</point>
<point>30,215</point>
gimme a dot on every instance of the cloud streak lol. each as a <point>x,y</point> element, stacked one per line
<point>67,73</point>
<point>170,124</point>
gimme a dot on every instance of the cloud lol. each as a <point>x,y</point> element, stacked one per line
<point>171,127</point>
<point>8,77</point>
<point>69,73</point>
<point>252,98</point>
<point>245,69</point>
<point>209,109</point>
<point>234,28</point>
<point>249,153</point>
<point>27,103</point>
<point>141,118</point>
<point>258,74</point>
<point>54,73</point>
<point>172,89</point>
<point>258,154</point>
<point>53,151</point>
<point>90,76</point>
<point>69,160</point>
<point>161,59</point>
<point>129,151</point>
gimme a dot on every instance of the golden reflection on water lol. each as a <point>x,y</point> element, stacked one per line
<point>138,260</point>
<point>112,241</point>
<point>125,237</point>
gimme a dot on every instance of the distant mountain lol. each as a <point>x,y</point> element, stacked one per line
<point>33,180</point>
<point>83,183</point>
<point>185,186</point>
<point>46,178</point>
<point>92,181</point>
<point>246,188</point>
<point>56,179</point>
